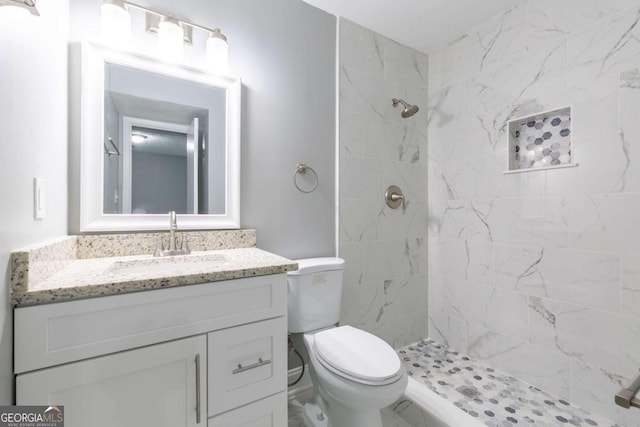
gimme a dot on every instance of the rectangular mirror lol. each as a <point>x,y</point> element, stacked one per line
<point>156,137</point>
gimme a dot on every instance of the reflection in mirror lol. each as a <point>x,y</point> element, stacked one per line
<point>158,172</point>
<point>171,136</point>
<point>154,137</point>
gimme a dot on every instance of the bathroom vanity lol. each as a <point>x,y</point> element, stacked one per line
<point>117,348</point>
<point>122,338</point>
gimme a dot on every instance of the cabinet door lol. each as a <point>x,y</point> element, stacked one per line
<point>152,386</point>
<point>269,412</point>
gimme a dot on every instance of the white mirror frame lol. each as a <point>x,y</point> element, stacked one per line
<point>92,219</point>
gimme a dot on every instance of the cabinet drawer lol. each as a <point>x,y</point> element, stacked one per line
<point>269,412</point>
<point>53,334</point>
<point>246,363</point>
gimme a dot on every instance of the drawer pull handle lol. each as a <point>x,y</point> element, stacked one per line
<point>198,389</point>
<point>259,363</point>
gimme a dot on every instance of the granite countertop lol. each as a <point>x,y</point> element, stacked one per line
<point>53,273</point>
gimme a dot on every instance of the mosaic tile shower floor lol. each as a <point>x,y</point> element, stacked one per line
<point>502,400</point>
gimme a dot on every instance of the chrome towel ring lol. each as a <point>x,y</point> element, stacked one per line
<point>302,169</point>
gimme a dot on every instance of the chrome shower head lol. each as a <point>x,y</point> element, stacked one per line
<point>408,111</point>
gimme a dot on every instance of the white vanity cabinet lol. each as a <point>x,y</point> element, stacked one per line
<point>211,354</point>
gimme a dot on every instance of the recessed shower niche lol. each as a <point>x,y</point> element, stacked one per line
<point>541,141</point>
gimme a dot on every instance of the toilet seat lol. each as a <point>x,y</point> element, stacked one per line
<point>357,355</point>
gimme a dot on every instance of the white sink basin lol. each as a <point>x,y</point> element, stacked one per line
<point>174,265</point>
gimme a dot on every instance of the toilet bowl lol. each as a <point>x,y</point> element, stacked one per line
<point>354,373</point>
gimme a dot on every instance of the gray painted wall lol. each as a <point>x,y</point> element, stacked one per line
<point>33,142</point>
<point>288,118</point>
<point>284,51</point>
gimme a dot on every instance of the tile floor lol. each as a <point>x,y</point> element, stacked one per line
<point>296,414</point>
<point>495,398</point>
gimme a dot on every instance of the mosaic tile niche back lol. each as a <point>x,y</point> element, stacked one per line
<point>540,141</point>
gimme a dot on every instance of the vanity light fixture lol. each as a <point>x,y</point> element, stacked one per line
<point>217,51</point>
<point>116,22</point>
<point>22,6</point>
<point>170,39</point>
<point>172,33</point>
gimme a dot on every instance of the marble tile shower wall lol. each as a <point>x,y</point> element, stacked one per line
<point>538,273</point>
<point>385,249</point>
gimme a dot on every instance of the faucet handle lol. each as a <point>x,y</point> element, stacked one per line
<point>185,244</point>
<point>159,247</point>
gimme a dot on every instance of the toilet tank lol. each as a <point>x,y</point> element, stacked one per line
<point>314,294</point>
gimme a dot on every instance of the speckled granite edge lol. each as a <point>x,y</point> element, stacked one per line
<point>93,277</point>
<point>19,271</point>
<point>36,263</point>
<point>109,289</point>
<point>112,245</point>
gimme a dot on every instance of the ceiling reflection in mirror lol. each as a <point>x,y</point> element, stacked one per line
<point>164,144</point>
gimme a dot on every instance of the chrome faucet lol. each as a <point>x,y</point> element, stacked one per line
<point>173,227</point>
<point>173,246</point>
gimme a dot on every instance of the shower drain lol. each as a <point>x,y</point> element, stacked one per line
<point>470,392</point>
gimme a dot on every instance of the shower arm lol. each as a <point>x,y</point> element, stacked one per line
<point>396,101</point>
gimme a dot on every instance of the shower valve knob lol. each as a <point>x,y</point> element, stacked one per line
<point>394,197</point>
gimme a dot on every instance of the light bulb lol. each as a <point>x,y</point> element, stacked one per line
<point>217,52</point>
<point>170,39</point>
<point>137,138</point>
<point>13,11</point>
<point>116,23</point>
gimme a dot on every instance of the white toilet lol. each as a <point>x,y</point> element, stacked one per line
<point>354,373</point>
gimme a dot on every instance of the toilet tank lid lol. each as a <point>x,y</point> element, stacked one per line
<point>315,265</point>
